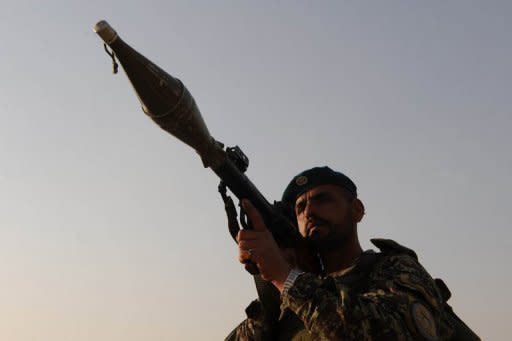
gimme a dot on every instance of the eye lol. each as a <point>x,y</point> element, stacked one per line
<point>323,198</point>
<point>299,207</point>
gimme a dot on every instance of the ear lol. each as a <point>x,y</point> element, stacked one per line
<point>357,210</point>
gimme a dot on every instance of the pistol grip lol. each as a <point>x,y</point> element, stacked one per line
<point>251,268</point>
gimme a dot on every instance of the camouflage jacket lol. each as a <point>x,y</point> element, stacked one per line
<point>384,296</point>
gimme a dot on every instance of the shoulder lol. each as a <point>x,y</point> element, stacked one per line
<point>398,269</point>
<point>389,246</point>
<point>395,260</point>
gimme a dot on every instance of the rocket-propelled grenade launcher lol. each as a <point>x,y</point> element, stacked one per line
<point>169,104</point>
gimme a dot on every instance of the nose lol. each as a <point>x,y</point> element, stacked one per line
<point>308,210</point>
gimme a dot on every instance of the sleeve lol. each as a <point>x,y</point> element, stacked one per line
<point>399,302</point>
<point>255,327</point>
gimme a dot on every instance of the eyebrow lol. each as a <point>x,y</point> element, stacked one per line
<point>316,196</point>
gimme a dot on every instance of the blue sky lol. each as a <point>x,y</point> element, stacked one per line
<point>110,229</point>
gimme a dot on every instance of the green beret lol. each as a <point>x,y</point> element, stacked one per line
<point>314,177</point>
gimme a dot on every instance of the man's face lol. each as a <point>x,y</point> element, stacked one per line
<point>324,215</point>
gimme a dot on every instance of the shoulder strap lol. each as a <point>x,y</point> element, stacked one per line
<point>388,246</point>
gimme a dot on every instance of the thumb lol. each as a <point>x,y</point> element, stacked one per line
<point>254,215</point>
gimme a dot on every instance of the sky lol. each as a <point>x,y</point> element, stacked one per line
<point>111,229</point>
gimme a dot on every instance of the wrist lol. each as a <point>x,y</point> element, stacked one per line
<point>279,282</point>
<point>293,274</point>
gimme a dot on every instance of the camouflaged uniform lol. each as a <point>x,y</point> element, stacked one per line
<point>384,296</point>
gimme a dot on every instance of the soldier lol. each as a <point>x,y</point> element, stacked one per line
<point>359,295</point>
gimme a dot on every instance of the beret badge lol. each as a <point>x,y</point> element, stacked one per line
<point>301,180</point>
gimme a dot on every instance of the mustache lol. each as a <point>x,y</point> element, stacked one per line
<point>315,222</point>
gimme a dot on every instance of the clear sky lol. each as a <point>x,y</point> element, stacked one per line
<point>111,229</point>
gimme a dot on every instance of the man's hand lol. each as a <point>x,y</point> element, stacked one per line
<point>258,246</point>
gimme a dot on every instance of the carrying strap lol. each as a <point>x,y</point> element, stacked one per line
<point>231,213</point>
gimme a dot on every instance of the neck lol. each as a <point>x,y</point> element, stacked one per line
<point>341,258</point>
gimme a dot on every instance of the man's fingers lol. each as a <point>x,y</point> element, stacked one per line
<point>254,215</point>
<point>245,256</point>
<point>247,235</point>
<point>249,244</point>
